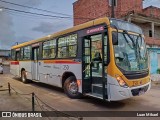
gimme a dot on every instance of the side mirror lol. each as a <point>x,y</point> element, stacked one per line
<point>115,38</point>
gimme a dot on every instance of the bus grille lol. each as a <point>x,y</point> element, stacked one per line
<point>137,91</point>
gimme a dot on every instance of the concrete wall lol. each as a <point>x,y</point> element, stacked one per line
<point>154,53</point>
<point>152,11</point>
<point>154,56</point>
<point>146,27</point>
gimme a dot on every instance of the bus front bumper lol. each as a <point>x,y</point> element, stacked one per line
<point>121,93</point>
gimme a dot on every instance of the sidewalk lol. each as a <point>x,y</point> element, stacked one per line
<point>155,77</point>
<point>14,102</point>
<point>23,102</point>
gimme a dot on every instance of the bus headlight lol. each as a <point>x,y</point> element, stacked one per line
<point>121,82</point>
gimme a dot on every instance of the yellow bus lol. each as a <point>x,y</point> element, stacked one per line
<point>105,58</point>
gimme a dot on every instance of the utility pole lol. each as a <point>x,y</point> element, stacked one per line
<point>112,14</point>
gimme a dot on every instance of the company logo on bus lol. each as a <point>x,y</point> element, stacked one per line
<point>93,30</point>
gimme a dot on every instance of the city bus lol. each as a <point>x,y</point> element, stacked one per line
<point>105,58</point>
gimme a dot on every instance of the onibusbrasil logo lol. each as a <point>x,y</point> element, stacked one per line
<point>21,114</point>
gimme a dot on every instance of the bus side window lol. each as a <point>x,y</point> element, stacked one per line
<point>22,53</point>
<point>17,55</point>
<point>13,54</point>
<point>67,46</point>
<point>72,45</point>
<point>49,49</point>
<point>62,52</point>
<point>27,53</point>
<point>52,53</point>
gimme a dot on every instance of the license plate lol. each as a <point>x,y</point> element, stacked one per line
<point>141,92</point>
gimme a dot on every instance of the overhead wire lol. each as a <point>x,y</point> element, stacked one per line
<point>40,14</point>
<point>35,8</point>
<point>30,16</point>
<point>33,13</point>
<point>46,15</point>
<point>66,16</point>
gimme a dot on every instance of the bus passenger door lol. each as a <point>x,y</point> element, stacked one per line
<point>35,53</point>
<point>16,67</point>
<point>94,65</point>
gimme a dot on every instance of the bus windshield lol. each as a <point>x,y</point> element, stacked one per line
<point>130,52</point>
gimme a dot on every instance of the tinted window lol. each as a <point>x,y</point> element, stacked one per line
<point>49,49</point>
<point>27,53</point>
<point>67,46</point>
<point>13,54</point>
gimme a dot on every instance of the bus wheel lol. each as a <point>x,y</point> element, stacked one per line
<point>71,88</point>
<point>23,76</point>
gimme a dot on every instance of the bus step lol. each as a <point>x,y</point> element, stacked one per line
<point>98,89</point>
<point>35,80</point>
<point>95,95</point>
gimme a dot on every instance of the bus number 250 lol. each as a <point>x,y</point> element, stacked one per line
<point>65,67</point>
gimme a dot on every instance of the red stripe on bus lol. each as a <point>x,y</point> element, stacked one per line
<point>15,63</point>
<point>62,61</point>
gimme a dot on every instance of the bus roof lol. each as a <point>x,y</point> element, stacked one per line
<point>75,28</point>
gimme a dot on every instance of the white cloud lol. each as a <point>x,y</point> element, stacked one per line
<point>155,3</point>
<point>7,33</point>
<point>48,28</point>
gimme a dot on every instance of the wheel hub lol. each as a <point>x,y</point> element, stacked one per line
<point>73,88</point>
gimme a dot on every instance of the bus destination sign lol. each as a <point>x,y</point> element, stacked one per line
<point>97,29</point>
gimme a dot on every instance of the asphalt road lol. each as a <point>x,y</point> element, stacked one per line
<point>56,98</point>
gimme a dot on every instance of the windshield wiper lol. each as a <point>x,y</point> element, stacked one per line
<point>139,46</point>
<point>130,38</point>
<point>137,52</point>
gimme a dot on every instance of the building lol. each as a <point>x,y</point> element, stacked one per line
<point>4,56</point>
<point>131,10</point>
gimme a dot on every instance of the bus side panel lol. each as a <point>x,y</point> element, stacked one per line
<point>14,68</point>
<point>51,72</point>
<point>27,66</point>
<point>76,69</point>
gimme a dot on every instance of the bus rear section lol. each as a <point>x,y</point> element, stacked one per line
<point>14,64</point>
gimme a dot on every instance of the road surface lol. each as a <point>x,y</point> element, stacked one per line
<point>56,98</point>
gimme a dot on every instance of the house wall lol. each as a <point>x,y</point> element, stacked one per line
<point>89,9</point>
<point>146,27</point>
<point>152,12</point>
<point>154,63</point>
<point>99,8</point>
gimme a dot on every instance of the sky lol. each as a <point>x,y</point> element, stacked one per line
<point>20,27</point>
<point>155,3</point>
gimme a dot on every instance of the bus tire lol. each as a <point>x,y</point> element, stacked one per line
<point>24,77</point>
<point>71,88</point>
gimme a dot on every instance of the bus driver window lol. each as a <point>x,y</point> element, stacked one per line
<point>98,51</point>
<point>97,57</point>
